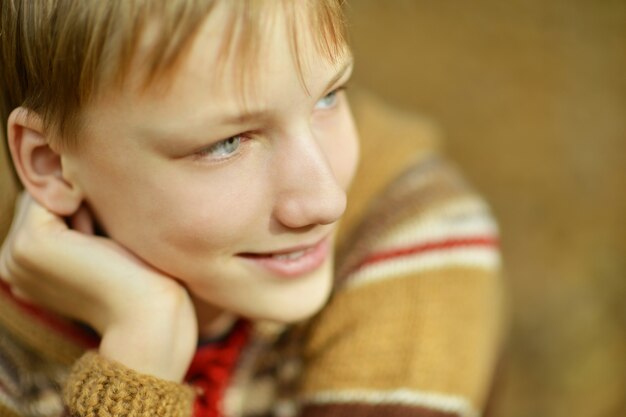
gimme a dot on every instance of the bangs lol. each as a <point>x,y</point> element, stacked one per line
<point>249,24</point>
<point>61,55</point>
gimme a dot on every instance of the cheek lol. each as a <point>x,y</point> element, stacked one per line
<point>213,215</point>
<point>174,215</point>
<point>342,149</point>
<point>212,221</point>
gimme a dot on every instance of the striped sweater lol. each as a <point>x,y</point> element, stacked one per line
<point>413,327</point>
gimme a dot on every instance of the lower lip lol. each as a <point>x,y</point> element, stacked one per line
<point>292,268</point>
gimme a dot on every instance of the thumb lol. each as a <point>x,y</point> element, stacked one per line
<point>82,220</point>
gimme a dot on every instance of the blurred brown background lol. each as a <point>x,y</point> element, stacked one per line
<point>531,97</point>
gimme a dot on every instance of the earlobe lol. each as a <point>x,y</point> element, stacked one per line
<point>38,165</point>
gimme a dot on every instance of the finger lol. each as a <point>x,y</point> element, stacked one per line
<point>25,207</point>
<point>21,203</point>
<point>19,213</point>
<point>4,249</point>
<point>34,216</point>
<point>4,260</point>
<point>19,295</point>
<point>4,272</point>
<point>82,220</point>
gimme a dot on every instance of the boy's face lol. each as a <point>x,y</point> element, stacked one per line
<point>164,180</point>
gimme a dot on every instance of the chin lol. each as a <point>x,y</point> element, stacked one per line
<point>311,298</point>
<point>301,311</point>
<point>296,302</point>
<point>293,308</point>
<point>261,297</point>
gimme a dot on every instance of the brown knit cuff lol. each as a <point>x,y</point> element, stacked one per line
<point>100,387</point>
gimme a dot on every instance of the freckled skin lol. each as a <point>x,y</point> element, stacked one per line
<point>188,213</point>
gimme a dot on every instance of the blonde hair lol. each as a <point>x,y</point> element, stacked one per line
<point>58,55</point>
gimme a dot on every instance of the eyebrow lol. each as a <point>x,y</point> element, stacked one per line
<point>247,116</point>
<point>346,66</point>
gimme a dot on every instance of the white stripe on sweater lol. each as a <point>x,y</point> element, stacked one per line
<point>473,257</point>
<point>467,217</point>
<point>432,400</point>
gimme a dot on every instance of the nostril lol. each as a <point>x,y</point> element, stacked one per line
<point>334,209</point>
<point>310,208</point>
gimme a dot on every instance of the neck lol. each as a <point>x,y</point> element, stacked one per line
<point>212,321</point>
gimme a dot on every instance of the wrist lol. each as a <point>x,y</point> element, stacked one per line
<point>158,339</point>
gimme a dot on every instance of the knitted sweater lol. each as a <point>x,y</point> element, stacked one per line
<point>413,327</point>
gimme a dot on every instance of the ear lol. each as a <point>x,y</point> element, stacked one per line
<point>38,165</point>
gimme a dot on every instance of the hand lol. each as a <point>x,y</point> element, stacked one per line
<point>146,318</point>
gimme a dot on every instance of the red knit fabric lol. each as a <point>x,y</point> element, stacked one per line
<point>212,367</point>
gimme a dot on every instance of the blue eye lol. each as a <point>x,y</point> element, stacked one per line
<point>328,101</point>
<point>222,148</point>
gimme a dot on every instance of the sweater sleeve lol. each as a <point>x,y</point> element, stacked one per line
<point>98,386</point>
<point>414,327</point>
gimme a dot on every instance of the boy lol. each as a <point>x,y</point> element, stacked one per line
<point>201,153</point>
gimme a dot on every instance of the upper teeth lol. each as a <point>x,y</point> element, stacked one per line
<point>290,256</point>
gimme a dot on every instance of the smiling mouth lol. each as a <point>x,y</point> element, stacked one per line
<point>293,262</point>
<point>292,253</point>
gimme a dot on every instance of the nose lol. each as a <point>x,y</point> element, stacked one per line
<point>308,193</point>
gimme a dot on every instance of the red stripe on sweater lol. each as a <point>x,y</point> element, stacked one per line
<point>68,329</point>
<point>432,246</point>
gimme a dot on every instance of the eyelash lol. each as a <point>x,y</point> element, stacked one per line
<point>334,93</point>
<point>205,152</point>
